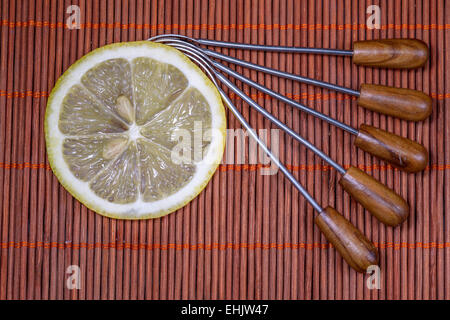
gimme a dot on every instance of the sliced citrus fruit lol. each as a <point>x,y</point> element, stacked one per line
<point>134,130</point>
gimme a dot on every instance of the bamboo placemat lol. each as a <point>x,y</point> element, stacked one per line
<point>246,235</point>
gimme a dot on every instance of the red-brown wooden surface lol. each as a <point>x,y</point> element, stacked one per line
<point>246,235</point>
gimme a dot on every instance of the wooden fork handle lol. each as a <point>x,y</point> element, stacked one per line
<point>397,102</point>
<point>391,53</point>
<point>353,246</point>
<point>382,202</point>
<point>402,153</point>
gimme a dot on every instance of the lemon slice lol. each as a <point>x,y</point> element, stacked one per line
<point>134,130</point>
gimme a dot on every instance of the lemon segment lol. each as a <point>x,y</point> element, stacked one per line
<point>155,86</point>
<point>160,175</point>
<point>83,114</point>
<point>87,156</point>
<point>109,80</point>
<point>118,182</point>
<point>188,114</point>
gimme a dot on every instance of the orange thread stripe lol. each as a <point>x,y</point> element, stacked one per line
<point>218,26</point>
<point>241,167</point>
<point>213,246</point>
<point>232,95</point>
<point>17,94</point>
<point>250,167</point>
<point>24,165</point>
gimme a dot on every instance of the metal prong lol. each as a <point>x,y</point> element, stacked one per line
<point>244,46</point>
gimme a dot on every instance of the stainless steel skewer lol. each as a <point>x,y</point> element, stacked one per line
<point>244,46</point>
<point>386,53</point>
<point>402,103</point>
<point>354,247</point>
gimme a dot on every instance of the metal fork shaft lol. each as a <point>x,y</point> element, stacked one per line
<point>234,45</point>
